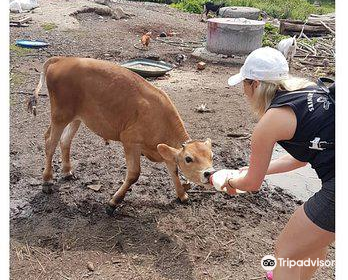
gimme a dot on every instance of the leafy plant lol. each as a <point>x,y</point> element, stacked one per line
<point>295,9</point>
<point>191,6</point>
<point>48,26</point>
<point>271,37</point>
<point>19,50</point>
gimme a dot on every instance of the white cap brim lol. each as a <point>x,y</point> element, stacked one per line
<point>235,79</point>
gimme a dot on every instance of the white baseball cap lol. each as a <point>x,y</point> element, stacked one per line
<point>263,64</point>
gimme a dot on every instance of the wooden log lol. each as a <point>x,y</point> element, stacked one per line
<point>294,27</point>
<point>20,22</point>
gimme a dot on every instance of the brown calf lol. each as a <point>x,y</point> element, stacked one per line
<point>119,105</point>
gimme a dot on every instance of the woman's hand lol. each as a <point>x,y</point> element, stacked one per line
<point>222,179</point>
<point>231,184</point>
<point>229,187</point>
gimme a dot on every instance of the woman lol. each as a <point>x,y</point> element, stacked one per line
<point>295,114</point>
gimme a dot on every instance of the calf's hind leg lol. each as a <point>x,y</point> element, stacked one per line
<point>65,145</point>
<point>52,137</point>
<point>132,154</point>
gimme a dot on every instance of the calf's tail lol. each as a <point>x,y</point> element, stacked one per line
<point>32,102</point>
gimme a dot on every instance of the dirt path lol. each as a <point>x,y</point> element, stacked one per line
<point>151,235</point>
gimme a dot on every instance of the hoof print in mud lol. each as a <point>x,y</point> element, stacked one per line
<point>110,210</point>
<point>47,188</point>
<point>69,177</point>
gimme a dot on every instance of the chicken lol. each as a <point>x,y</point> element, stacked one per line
<point>180,58</point>
<point>145,39</point>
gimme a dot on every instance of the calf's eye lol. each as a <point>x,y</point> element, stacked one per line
<point>188,159</point>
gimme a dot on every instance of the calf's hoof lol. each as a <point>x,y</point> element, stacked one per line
<point>47,175</point>
<point>184,198</point>
<point>115,200</point>
<point>47,188</point>
<point>110,210</point>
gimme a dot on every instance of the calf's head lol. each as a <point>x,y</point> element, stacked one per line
<point>195,160</point>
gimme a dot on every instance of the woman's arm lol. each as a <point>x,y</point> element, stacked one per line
<point>284,164</point>
<point>277,124</point>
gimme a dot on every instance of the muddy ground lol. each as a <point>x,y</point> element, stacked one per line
<point>151,235</point>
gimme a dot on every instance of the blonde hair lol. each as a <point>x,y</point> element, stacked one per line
<point>265,92</point>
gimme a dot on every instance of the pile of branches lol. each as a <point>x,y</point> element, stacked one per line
<point>317,54</point>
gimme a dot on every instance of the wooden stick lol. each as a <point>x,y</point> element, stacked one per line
<point>302,30</point>
<point>207,257</point>
<point>312,56</point>
<point>304,35</point>
<point>312,63</point>
<point>204,192</point>
<point>28,93</point>
<point>328,28</point>
<point>308,47</point>
<point>239,135</point>
<point>258,277</point>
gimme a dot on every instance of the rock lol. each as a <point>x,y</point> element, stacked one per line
<point>34,182</point>
<point>239,12</point>
<point>114,260</point>
<point>90,266</point>
<point>95,188</point>
<point>201,65</point>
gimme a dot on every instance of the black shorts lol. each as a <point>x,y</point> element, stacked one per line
<point>320,208</point>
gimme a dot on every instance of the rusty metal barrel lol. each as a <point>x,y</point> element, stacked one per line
<point>234,36</point>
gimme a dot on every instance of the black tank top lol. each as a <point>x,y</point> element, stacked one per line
<point>315,115</point>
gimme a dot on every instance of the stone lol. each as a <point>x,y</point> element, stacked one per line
<point>239,12</point>
<point>95,188</point>
<point>201,65</point>
<point>90,266</point>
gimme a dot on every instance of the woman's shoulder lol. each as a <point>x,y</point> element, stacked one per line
<point>280,122</point>
<point>278,114</point>
<point>295,99</point>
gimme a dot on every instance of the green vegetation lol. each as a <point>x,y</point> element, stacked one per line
<point>19,50</point>
<point>295,9</point>
<point>271,37</point>
<point>17,78</point>
<point>192,6</point>
<point>48,26</point>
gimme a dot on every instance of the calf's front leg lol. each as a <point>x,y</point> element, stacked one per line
<point>179,188</point>
<point>132,154</point>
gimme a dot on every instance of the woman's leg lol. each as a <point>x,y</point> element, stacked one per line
<point>299,239</point>
<point>306,272</point>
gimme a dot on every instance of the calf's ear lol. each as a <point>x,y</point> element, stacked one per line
<point>208,142</point>
<point>168,153</point>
